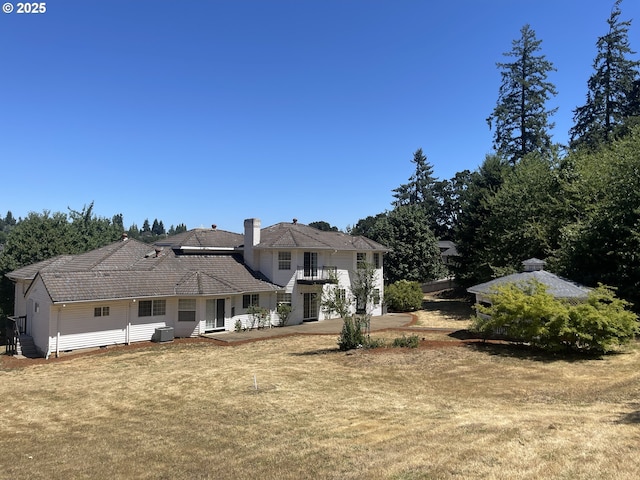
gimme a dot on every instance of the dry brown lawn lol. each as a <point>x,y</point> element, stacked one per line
<point>447,410</point>
<point>445,312</point>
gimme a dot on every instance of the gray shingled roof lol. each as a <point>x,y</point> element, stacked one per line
<point>297,235</point>
<point>132,269</point>
<point>203,238</point>
<point>226,275</point>
<point>556,286</point>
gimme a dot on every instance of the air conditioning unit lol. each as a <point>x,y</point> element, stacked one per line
<point>163,334</point>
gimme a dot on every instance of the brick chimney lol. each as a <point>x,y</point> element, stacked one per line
<point>251,239</point>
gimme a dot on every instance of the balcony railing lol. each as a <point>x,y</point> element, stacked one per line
<point>319,275</point>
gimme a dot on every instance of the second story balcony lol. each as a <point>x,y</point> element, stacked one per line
<point>316,275</point>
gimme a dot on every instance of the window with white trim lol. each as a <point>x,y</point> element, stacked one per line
<point>186,309</point>
<point>152,308</point>
<point>376,260</point>
<point>283,298</point>
<point>284,260</point>
<point>361,259</point>
<point>252,300</point>
<point>101,312</point>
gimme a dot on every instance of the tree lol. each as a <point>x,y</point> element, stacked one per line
<point>37,237</point>
<point>41,236</point>
<point>365,226</point>
<point>324,226</point>
<point>449,197</point>
<point>526,215</point>
<point>89,231</point>
<point>414,254</point>
<point>612,94</point>
<point>146,227</point>
<point>403,296</point>
<point>472,233</point>
<point>420,190</point>
<point>520,117</point>
<point>603,242</point>
<point>133,231</point>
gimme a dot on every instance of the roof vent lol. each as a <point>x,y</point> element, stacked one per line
<point>295,220</point>
<point>533,265</point>
<point>124,236</point>
<point>214,226</point>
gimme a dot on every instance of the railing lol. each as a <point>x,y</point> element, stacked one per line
<point>15,327</point>
<point>325,274</point>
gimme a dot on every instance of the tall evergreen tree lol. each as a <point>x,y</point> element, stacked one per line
<point>420,190</point>
<point>414,254</point>
<point>520,118</point>
<point>612,89</point>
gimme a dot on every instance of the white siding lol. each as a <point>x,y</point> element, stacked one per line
<point>20,303</point>
<point>79,328</point>
<point>38,321</point>
<point>141,329</point>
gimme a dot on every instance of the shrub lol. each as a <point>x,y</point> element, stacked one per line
<point>284,312</point>
<point>259,316</point>
<point>412,341</point>
<point>404,296</point>
<point>527,313</point>
<point>351,335</point>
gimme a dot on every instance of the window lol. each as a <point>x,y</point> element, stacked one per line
<point>36,307</point>
<point>284,260</point>
<point>101,312</point>
<point>250,300</point>
<point>310,264</point>
<point>310,306</point>
<point>361,259</point>
<point>376,296</point>
<point>376,260</point>
<point>159,307</point>
<point>186,310</point>
<point>284,298</point>
<point>342,295</point>
<point>148,308</point>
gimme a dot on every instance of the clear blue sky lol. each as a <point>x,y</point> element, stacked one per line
<point>215,111</point>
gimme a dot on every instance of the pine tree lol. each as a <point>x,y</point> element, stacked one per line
<point>420,190</point>
<point>520,117</point>
<point>611,89</point>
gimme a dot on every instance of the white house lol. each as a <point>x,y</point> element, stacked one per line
<point>203,280</point>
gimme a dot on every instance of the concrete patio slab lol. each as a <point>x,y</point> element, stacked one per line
<point>324,327</point>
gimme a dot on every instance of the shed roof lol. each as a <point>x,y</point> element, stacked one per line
<point>556,286</point>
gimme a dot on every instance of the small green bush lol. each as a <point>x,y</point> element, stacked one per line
<point>412,341</point>
<point>351,335</point>
<point>403,296</point>
<point>527,313</point>
<point>284,312</point>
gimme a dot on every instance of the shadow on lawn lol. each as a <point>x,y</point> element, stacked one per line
<point>504,348</point>
<point>454,309</point>
<point>321,351</point>
<point>631,417</point>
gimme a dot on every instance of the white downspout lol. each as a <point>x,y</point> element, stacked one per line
<point>128,327</point>
<point>58,333</point>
